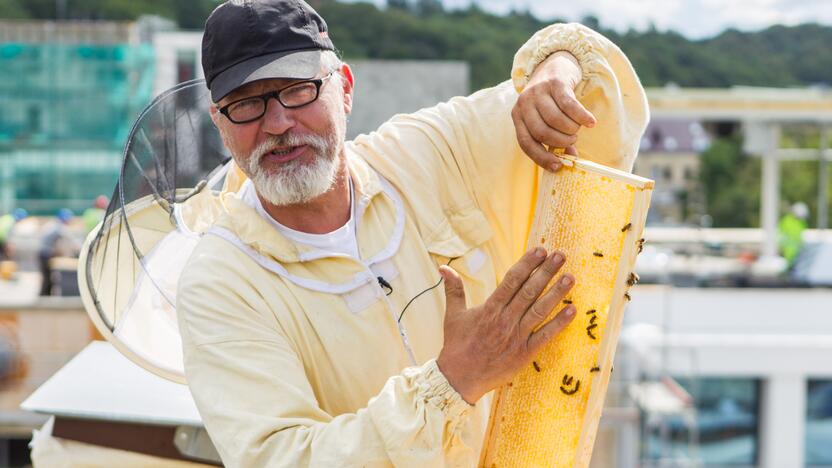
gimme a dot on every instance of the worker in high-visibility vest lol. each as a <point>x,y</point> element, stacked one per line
<point>790,231</point>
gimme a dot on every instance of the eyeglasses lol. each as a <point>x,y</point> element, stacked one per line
<point>291,97</point>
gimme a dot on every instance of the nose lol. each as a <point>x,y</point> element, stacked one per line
<point>277,119</point>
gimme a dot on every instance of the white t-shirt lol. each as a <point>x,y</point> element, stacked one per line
<point>341,240</point>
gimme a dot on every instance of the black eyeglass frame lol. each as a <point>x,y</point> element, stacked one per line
<point>318,82</point>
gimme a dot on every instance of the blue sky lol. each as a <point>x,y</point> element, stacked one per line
<point>693,18</point>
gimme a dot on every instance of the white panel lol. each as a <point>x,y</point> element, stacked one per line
<point>100,383</point>
<point>783,406</point>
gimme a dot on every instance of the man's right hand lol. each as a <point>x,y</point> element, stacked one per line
<point>486,345</point>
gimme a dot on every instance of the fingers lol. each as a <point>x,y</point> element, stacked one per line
<point>569,105</point>
<point>516,277</point>
<point>555,117</point>
<point>549,115</point>
<point>531,289</point>
<point>551,329</point>
<point>544,133</point>
<point>535,149</point>
<point>541,309</point>
<point>454,289</point>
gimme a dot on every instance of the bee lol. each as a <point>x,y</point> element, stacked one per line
<point>567,301</point>
<point>571,392</point>
<point>589,331</point>
<point>627,296</point>
<point>591,311</point>
<point>536,367</point>
<point>592,320</point>
<point>627,227</point>
<point>567,381</point>
<point>598,254</point>
<point>632,279</point>
<point>595,369</point>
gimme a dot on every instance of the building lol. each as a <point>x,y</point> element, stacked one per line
<point>669,154</point>
<point>62,128</point>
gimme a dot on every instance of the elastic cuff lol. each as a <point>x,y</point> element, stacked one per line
<point>567,37</point>
<point>434,389</point>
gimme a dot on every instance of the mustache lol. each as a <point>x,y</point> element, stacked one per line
<point>316,142</point>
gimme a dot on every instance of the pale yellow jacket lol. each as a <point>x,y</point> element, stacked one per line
<point>297,358</point>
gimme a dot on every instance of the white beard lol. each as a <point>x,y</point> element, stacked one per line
<point>295,182</point>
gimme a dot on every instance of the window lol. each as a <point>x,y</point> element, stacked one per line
<point>819,423</point>
<point>185,65</point>
<point>33,119</point>
<point>723,429</point>
<point>657,172</point>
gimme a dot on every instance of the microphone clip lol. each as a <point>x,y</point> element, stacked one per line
<point>388,289</point>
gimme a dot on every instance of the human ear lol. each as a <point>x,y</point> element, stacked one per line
<point>348,84</point>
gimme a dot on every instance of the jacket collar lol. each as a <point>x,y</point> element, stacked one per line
<point>255,232</point>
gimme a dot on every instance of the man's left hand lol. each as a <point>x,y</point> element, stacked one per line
<point>547,111</point>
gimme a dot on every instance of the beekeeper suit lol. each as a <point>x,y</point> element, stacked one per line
<point>299,354</point>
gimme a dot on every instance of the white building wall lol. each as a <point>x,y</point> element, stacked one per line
<point>384,88</point>
<point>167,46</point>
<point>781,336</point>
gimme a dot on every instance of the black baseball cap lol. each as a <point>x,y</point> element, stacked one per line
<point>250,40</point>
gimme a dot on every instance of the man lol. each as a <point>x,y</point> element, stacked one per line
<point>53,242</point>
<point>94,214</point>
<point>791,227</point>
<point>313,327</point>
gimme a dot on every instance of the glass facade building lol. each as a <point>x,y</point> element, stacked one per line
<point>66,108</point>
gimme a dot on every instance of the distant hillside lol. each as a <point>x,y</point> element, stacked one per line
<point>777,56</point>
<point>420,29</point>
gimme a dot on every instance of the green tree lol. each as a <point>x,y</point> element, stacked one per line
<point>429,7</point>
<point>189,14</point>
<point>731,181</point>
<point>422,29</point>
<point>13,9</point>
<point>398,4</point>
<point>800,178</point>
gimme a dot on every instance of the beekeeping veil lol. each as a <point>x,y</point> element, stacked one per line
<point>167,195</point>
